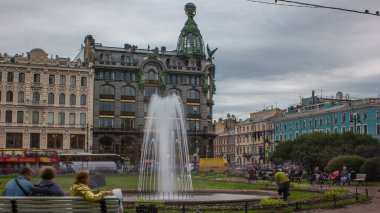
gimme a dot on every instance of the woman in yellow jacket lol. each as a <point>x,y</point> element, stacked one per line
<point>80,188</point>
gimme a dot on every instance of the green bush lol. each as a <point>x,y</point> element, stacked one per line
<point>271,202</point>
<point>371,167</point>
<point>335,192</point>
<point>298,186</point>
<point>350,161</point>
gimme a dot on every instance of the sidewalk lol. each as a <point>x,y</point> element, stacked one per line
<point>373,206</point>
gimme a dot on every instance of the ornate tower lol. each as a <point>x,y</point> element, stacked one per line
<point>190,42</point>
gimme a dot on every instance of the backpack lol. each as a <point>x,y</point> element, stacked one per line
<point>41,191</point>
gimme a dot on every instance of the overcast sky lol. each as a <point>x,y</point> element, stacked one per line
<point>268,55</point>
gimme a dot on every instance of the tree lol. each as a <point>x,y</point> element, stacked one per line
<point>316,149</point>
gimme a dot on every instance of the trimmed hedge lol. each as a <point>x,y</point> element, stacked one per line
<point>371,167</point>
<point>353,162</point>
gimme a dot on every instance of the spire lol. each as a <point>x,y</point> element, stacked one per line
<point>190,42</point>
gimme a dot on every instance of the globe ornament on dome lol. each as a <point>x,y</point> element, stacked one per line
<point>190,9</point>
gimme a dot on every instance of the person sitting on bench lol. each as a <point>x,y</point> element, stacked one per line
<point>20,186</point>
<point>80,188</point>
<point>46,187</point>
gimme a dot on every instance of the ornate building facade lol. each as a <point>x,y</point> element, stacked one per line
<point>45,103</point>
<point>126,77</point>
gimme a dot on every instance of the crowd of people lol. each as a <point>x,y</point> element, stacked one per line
<point>22,185</point>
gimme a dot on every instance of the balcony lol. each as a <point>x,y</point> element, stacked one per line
<point>106,96</point>
<point>109,113</point>
<point>191,100</point>
<point>115,130</point>
<point>198,116</point>
<point>247,155</point>
<point>129,98</point>
<point>127,113</point>
<point>152,82</point>
<point>36,84</point>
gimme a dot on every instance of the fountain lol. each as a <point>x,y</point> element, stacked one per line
<point>165,171</point>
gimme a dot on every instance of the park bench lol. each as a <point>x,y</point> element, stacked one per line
<point>67,204</point>
<point>361,178</point>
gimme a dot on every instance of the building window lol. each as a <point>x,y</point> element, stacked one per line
<point>73,81</point>
<point>20,117</point>
<point>1,76</point>
<point>106,108</point>
<point>149,91</point>
<point>343,117</point>
<point>73,100</point>
<point>343,129</point>
<point>36,78</point>
<point>365,129</point>
<point>377,115</point>
<point>72,118</point>
<point>35,140</point>
<point>364,115</point>
<point>61,118</point>
<point>310,123</point>
<point>35,117</point>
<point>128,93</point>
<point>107,92</point>
<point>21,77</point>
<point>128,124</point>
<point>193,94</point>
<point>51,79</point>
<point>14,140</point>
<point>50,118</point>
<point>83,81</point>
<point>351,128</point>
<point>296,135</point>
<point>61,98</point>
<point>127,107</point>
<point>327,119</point>
<point>106,122</point>
<point>8,116</point>
<point>36,97</point>
<point>378,129</point>
<point>83,100</point>
<point>62,80</point>
<point>358,130</point>
<point>20,97</point>
<point>9,97</point>
<point>152,75</point>
<point>50,98</point>
<point>10,77</point>
<point>77,141</point>
<point>174,91</point>
<point>82,119</point>
<point>328,130</point>
<point>194,80</point>
<point>193,125</point>
<point>55,141</point>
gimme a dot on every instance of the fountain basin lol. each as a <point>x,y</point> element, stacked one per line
<point>201,196</point>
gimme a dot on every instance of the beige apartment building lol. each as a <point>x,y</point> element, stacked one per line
<point>224,142</point>
<point>254,138</point>
<point>45,102</point>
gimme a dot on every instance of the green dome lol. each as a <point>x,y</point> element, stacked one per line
<point>190,42</point>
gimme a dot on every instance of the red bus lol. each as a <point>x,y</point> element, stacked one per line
<point>12,160</point>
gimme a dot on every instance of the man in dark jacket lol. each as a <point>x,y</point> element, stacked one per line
<point>46,187</point>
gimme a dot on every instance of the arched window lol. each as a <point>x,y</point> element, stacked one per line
<point>107,92</point>
<point>20,97</point>
<point>152,75</point>
<point>51,98</point>
<point>83,100</point>
<point>128,92</point>
<point>61,98</point>
<point>36,97</point>
<point>9,96</point>
<point>193,94</point>
<point>73,100</point>
<point>174,91</point>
